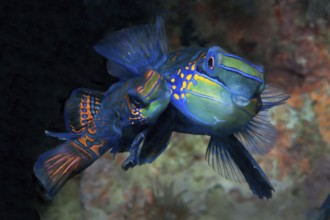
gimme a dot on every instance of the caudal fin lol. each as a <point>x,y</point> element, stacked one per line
<point>55,167</point>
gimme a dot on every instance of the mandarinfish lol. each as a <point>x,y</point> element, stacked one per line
<point>98,122</point>
<point>213,93</point>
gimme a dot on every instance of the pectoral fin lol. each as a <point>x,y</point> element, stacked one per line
<point>134,150</point>
<point>157,138</point>
<point>229,157</point>
<point>259,135</point>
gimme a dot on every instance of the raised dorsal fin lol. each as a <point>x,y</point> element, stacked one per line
<point>132,51</point>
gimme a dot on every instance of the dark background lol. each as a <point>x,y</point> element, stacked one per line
<point>46,52</point>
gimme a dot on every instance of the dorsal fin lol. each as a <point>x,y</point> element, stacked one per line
<point>81,108</point>
<point>131,51</point>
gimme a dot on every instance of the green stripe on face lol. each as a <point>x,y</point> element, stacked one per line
<point>205,100</point>
<point>242,65</point>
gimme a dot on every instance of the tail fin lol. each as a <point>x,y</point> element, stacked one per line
<point>55,167</point>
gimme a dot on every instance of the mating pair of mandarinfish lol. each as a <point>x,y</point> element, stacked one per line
<point>198,91</point>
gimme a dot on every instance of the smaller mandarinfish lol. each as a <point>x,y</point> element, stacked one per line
<point>213,93</point>
<point>98,122</point>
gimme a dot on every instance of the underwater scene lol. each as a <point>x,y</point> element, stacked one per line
<point>174,110</point>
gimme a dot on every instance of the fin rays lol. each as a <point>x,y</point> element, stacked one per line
<point>220,160</point>
<point>131,51</point>
<point>56,166</point>
<point>259,135</point>
<point>230,159</point>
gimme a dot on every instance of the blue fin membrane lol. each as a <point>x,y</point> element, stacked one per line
<point>157,138</point>
<point>273,96</point>
<point>81,108</point>
<point>134,150</point>
<point>62,136</point>
<point>259,135</point>
<point>132,51</point>
<point>150,143</point>
<point>56,166</point>
<point>230,159</point>
<point>325,209</point>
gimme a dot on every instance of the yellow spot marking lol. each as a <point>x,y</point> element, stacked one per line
<point>205,80</point>
<point>179,71</point>
<point>184,85</point>
<point>176,96</point>
<point>172,80</point>
<point>187,68</point>
<point>133,112</point>
<point>182,96</point>
<point>190,85</point>
<point>189,77</point>
<point>174,87</point>
<point>182,75</point>
<point>193,67</point>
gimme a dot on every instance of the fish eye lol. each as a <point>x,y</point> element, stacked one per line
<point>210,63</point>
<point>136,102</point>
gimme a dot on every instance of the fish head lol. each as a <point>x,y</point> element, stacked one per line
<point>243,80</point>
<point>148,98</point>
<point>225,92</point>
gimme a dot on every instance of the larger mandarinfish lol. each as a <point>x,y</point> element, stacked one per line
<point>213,93</point>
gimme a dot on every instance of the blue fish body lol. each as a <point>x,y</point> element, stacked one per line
<point>116,121</point>
<point>213,93</point>
<point>221,109</point>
